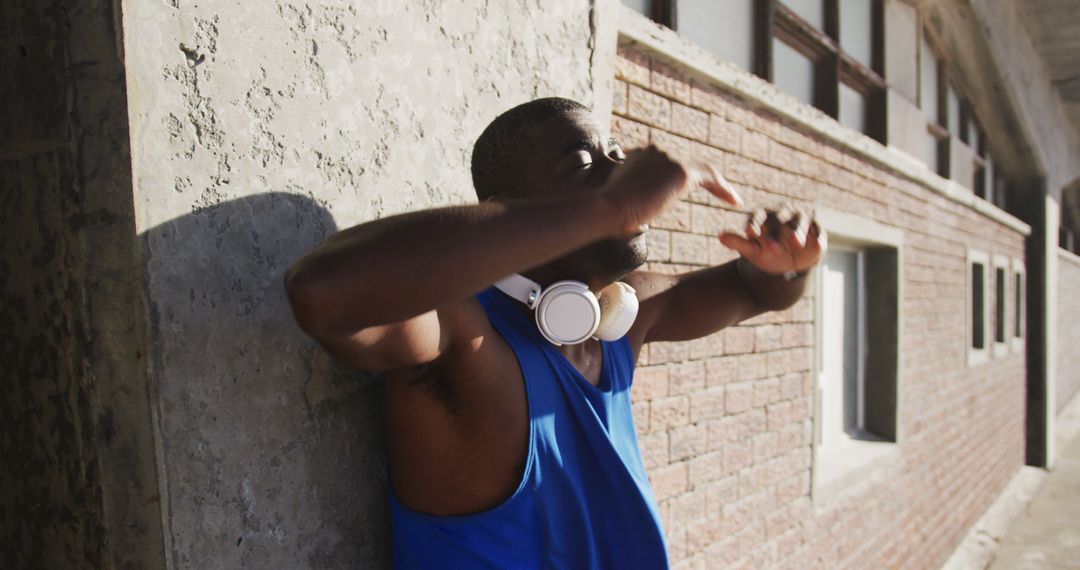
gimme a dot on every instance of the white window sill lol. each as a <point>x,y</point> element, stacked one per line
<point>846,466</point>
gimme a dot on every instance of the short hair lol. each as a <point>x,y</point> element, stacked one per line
<point>501,149</point>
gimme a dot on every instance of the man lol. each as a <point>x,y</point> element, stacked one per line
<point>505,449</point>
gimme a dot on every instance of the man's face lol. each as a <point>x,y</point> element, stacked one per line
<point>571,154</point>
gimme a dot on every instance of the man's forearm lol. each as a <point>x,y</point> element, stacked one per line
<point>399,267</point>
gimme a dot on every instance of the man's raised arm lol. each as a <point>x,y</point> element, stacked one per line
<point>776,254</point>
<point>372,294</point>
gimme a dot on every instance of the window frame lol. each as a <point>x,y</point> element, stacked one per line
<point>832,65</point>
<point>838,469</point>
<point>975,355</point>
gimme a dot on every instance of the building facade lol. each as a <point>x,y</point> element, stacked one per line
<point>165,162</point>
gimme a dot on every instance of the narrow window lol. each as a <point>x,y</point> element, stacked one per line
<point>999,304</point>
<point>794,72</point>
<point>852,108</point>
<point>724,28</point>
<point>978,306</point>
<point>856,30</point>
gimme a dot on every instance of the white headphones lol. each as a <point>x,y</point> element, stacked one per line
<point>567,312</point>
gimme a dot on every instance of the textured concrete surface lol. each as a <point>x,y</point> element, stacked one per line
<point>257,129</point>
<point>1047,536</point>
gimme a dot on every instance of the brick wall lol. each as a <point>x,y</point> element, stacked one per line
<point>726,421</point>
<point>1068,343</point>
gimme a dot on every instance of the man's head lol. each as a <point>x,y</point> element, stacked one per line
<point>550,147</point>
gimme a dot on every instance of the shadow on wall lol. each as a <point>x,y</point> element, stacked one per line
<point>273,455</point>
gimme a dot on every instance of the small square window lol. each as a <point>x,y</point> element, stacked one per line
<point>978,289</point>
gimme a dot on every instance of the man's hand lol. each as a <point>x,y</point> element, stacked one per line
<point>649,181</point>
<point>779,242</point>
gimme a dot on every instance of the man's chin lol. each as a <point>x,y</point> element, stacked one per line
<point>618,257</point>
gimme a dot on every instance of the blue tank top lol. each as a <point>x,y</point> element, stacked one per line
<point>584,500</point>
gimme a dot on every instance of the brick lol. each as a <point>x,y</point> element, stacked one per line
<point>754,366</point>
<point>670,82</point>
<point>706,468</point>
<point>767,337</point>
<point>707,404</point>
<point>687,377</point>
<point>664,352</point>
<point>765,446</point>
<point>629,134</point>
<point>687,508</point>
<point>669,412</point>
<point>778,415</point>
<point>687,441</point>
<point>723,553</point>
<point>708,346</point>
<point>633,67</point>
<point>709,98</point>
<point>689,248</point>
<point>642,412</point>
<point>618,97</point>
<point>791,386</point>
<point>689,122</point>
<point>659,244</point>
<point>725,134</point>
<point>703,532</point>
<point>654,449</point>
<point>755,146</point>
<point>719,492</point>
<point>649,383</point>
<point>766,391</point>
<point>675,217</point>
<point>738,397</point>
<point>669,481</point>
<point>720,371</point>
<point>738,455</point>
<point>796,335</point>
<point>679,148</point>
<point>738,340</point>
<point>648,108</point>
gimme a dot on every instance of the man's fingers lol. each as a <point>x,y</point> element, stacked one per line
<point>817,239</point>
<point>745,247</point>
<point>706,176</point>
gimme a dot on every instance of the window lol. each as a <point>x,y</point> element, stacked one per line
<point>1019,315</point>
<point>724,28</point>
<point>825,53</point>
<point>977,262</point>
<point>1001,300</point>
<point>856,349</point>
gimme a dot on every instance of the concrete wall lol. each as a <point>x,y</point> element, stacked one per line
<point>726,421</point>
<point>1068,326</point>
<point>257,129</point>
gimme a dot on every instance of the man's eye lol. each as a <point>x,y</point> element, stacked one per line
<point>582,159</point>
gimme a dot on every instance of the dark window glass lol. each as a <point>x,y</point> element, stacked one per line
<point>999,305</point>
<point>978,331</point>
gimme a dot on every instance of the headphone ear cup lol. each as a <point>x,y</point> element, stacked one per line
<point>567,313</point>
<point>618,309</point>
